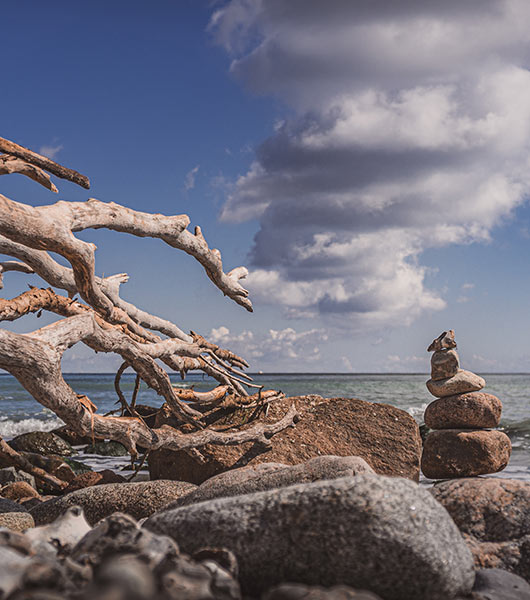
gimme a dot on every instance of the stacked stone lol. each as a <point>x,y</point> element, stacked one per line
<point>463,443</point>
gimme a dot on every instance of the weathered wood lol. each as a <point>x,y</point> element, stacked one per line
<point>12,164</point>
<point>43,162</point>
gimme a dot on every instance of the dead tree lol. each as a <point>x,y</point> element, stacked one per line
<point>94,313</point>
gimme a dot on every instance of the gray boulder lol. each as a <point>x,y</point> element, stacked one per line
<point>497,584</point>
<point>382,534</point>
<point>268,476</point>
<point>139,500</point>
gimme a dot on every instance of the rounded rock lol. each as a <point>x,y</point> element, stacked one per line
<point>444,364</point>
<point>462,382</point>
<point>473,410</point>
<point>19,490</point>
<point>450,453</point>
<point>42,442</point>
<point>383,534</point>
<point>17,521</point>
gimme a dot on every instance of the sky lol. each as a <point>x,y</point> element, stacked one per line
<point>367,160</point>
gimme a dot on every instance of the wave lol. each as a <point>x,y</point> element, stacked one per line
<point>10,429</point>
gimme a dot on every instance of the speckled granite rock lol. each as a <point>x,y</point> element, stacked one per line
<point>494,518</point>
<point>19,490</point>
<point>474,410</point>
<point>136,499</point>
<point>462,382</point>
<point>267,476</point>
<point>383,534</point>
<point>16,521</point>
<point>449,453</point>
<point>444,364</point>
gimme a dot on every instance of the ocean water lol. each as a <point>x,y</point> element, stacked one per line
<point>19,413</point>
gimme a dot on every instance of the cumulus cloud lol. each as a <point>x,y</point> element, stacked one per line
<point>277,348</point>
<point>189,180</point>
<point>408,129</point>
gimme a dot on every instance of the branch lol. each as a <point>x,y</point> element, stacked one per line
<point>43,162</point>
<point>12,164</point>
<point>13,265</point>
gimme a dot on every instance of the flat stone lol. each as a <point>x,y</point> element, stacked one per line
<point>444,364</point>
<point>462,382</point>
<point>494,518</point>
<point>267,476</point>
<point>381,534</point>
<point>386,437</point>
<point>139,500</point>
<point>17,521</point>
<point>474,410</point>
<point>42,442</point>
<point>449,453</point>
<point>19,490</point>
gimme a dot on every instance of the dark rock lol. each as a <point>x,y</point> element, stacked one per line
<point>462,382</point>
<point>444,364</point>
<point>18,491</point>
<point>494,517</point>
<point>474,410</point>
<point>106,449</point>
<point>267,476</point>
<point>77,466</point>
<point>497,584</point>
<point>8,506</point>
<point>298,591</point>
<point>449,453</point>
<point>136,499</point>
<point>383,534</point>
<point>42,442</point>
<point>71,436</point>
<point>386,437</point>
<point>11,475</point>
<point>91,478</point>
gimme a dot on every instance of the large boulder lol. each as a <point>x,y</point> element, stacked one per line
<point>383,534</point>
<point>474,410</point>
<point>386,437</point>
<point>42,442</point>
<point>136,499</point>
<point>494,518</point>
<point>268,476</point>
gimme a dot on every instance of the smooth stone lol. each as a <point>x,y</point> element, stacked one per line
<point>42,442</point>
<point>298,591</point>
<point>383,534</point>
<point>474,410</point>
<point>267,476</point>
<point>493,515</point>
<point>444,364</point>
<point>139,500</point>
<point>386,437</point>
<point>449,453</point>
<point>462,382</point>
<point>498,584</point>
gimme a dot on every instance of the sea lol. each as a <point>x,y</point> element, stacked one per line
<point>20,413</point>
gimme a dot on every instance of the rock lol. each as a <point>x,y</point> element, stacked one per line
<point>7,506</point>
<point>474,410</point>
<point>267,476</point>
<point>136,499</point>
<point>42,442</point>
<point>106,449</point>
<point>386,437</point>
<point>77,466</point>
<point>72,437</point>
<point>445,341</point>
<point>12,568</point>
<point>11,475</point>
<point>444,364</point>
<point>383,534</point>
<point>17,521</point>
<point>462,382</point>
<point>497,584</point>
<point>298,591</point>
<point>494,518</point>
<point>449,453</point>
<point>91,478</point>
<point>18,491</point>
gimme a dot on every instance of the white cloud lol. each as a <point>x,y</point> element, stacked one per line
<point>189,180</point>
<point>409,129</point>
<point>50,151</point>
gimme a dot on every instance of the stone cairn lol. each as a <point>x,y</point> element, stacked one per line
<point>463,443</point>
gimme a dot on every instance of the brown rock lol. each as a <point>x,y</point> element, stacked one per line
<point>71,436</point>
<point>18,491</point>
<point>445,340</point>
<point>449,453</point>
<point>17,521</point>
<point>494,517</point>
<point>444,364</point>
<point>386,437</point>
<point>473,410</point>
<point>91,478</point>
<point>462,382</point>
<point>299,591</point>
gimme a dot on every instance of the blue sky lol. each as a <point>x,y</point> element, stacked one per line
<point>368,163</point>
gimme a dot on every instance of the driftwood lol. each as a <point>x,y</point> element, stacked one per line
<point>95,315</point>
